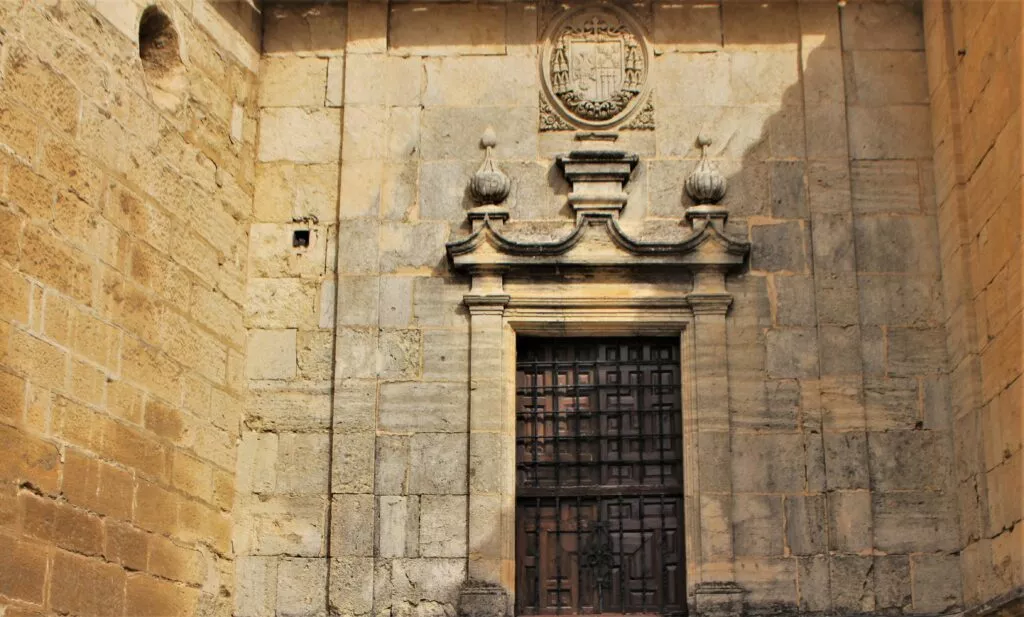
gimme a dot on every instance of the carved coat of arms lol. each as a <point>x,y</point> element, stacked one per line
<point>594,66</point>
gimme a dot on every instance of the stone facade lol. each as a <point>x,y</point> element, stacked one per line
<point>243,372</point>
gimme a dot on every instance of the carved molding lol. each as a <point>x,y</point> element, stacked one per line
<point>597,239</point>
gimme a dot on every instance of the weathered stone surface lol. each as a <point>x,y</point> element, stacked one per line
<point>442,525</point>
<point>913,520</point>
<point>768,463</point>
<point>292,82</point>
<point>423,406</point>
<point>351,530</point>
<point>271,354</point>
<point>392,465</point>
<point>300,587</point>
<point>300,135</point>
<point>850,521</point>
<point>779,247</point>
<point>419,31</point>
<point>758,525</point>
<point>438,464</point>
<point>792,352</point>
<point>806,528</point>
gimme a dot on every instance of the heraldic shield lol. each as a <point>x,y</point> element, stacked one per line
<point>594,66</point>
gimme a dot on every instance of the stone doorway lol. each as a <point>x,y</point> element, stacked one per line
<point>599,476</point>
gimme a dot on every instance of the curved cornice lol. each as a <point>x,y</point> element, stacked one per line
<point>597,239</point>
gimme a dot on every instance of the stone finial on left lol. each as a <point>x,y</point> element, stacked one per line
<point>489,185</point>
<point>705,184</point>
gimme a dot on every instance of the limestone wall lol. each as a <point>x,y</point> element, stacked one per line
<point>841,452</point>
<point>123,249</point>
<point>282,514</point>
<point>974,75</point>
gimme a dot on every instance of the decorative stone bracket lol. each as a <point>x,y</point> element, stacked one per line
<point>521,286</point>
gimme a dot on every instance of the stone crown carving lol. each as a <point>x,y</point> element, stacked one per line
<point>594,67</point>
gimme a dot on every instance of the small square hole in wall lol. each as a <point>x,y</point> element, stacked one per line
<point>300,238</point>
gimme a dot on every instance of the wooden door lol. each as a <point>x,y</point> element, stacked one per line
<point>599,508</point>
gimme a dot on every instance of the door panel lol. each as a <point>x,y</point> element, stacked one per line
<point>599,477</point>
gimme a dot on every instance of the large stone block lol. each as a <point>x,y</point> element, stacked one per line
<point>792,353</point>
<point>686,27</point>
<point>300,587</point>
<point>398,521</point>
<point>352,467</point>
<point>438,464</point>
<point>412,246</point>
<point>882,25</point>
<point>761,25</point>
<point>697,78</point>
<point>292,81</point>
<point>936,583</point>
<point>281,303</point>
<point>424,406</point>
<point>271,354</point>
<point>893,131</point>
<point>892,403</point>
<point>453,133</point>
<point>300,135</point>
<point>914,521</point>
<point>806,524</point>
<point>885,77</point>
<point>768,463</point>
<point>507,81</point>
<point>789,189</point>
<point>442,526</point>
<point>903,244</point>
<point>302,463</point>
<point>286,190</point>
<point>297,30</point>
<point>434,580</point>
<point>295,408</point>
<point>765,77</point>
<point>892,582</point>
<point>445,355</point>
<point>886,186</point>
<point>352,525</point>
<point>400,353</point>
<point>899,300</point>
<point>283,525</point>
<point>915,351</point>
<point>392,466</point>
<point>426,30</point>
<point>850,521</point>
<point>351,591</point>
<point>758,525</point>
<point>255,586</point>
<point>909,460</point>
<point>779,247</point>
<point>852,583</point>
<point>846,460</point>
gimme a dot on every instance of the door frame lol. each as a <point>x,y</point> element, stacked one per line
<point>497,319</point>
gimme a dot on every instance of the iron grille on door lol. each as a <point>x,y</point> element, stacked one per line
<point>599,482</point>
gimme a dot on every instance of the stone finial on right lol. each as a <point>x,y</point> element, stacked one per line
<point>705,184</point>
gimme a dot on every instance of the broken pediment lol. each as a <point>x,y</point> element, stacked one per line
<point>598,176</point>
